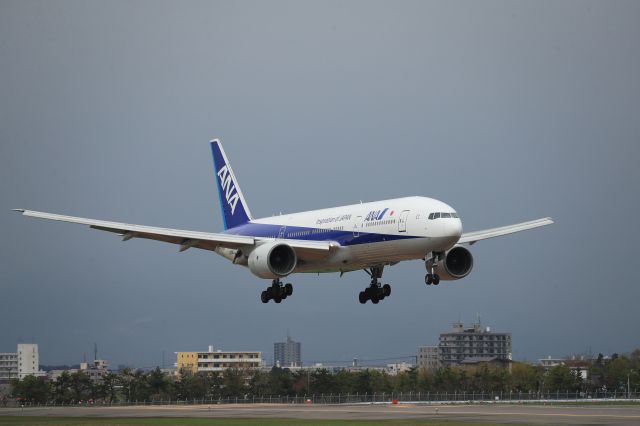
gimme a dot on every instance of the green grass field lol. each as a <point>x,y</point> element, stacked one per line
<point>154,421</point>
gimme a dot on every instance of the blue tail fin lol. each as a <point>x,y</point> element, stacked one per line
<point>235,211</point>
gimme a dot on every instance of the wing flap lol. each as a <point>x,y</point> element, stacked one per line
<point>473,237</point>
<point>312,250</point>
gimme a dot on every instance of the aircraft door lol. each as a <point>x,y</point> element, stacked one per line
<point>402,222</point>
<point>356,226</point>
<point>282,231</point>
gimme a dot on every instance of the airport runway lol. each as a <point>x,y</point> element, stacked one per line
<point>498,413</point>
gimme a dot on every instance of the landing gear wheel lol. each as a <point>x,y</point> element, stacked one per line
<point>436,279</point>
<point>277,299</point>
<point>386,290</point>
<point>362,297</point>
<point>264,297</point>
<point>288,289</point>
<point>428,279</point>
<point>375,299</point>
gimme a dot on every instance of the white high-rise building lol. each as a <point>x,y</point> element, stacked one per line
<point>21,364</point>
<point>28,360</point>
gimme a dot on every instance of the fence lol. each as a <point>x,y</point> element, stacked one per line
<point>380,398</point>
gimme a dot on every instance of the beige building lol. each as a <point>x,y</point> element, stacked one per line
<point>217,360</point>
<point>428,358</point>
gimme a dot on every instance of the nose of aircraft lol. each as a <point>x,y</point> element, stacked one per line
<point>454,228</point>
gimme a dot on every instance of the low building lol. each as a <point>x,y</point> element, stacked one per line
<point>95,370</point>
<point>397,368</point>
<point>8,366</point>
<point>579,370</point>
<point>217,360</point>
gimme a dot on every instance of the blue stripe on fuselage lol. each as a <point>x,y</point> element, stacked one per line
<point>344,238</point>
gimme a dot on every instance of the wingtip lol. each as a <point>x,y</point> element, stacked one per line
<point>18,210</point>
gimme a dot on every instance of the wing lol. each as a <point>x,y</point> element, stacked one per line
<point>472,237</point>
<point>306,250</point>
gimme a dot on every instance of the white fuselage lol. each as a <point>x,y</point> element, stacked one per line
<point>380,232</point>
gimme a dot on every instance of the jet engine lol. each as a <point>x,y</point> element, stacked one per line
<point>454,264</point>
<point>272,260</point>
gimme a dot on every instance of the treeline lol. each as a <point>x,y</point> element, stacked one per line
<point>136,385</point>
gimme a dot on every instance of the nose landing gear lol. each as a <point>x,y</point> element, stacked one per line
<point>276,292</point>
<point>431,264</point>
<point>375,292</point>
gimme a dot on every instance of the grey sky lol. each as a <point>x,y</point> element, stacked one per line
<point>507,111</point>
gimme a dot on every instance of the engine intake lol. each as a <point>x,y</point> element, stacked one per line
<point>455,264</point>
<point>272,260</point>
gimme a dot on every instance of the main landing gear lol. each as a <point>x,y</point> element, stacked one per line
<point>277,292</point>
<point>432,277</point>
<point>375,292</point>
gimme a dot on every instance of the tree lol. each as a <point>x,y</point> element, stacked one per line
<point>107,388</point>
<point>81,386</point>
<point>561,379</point>
<point>31,389</point>
<point>322,382</point>
<point>233,383</point>
<point>62,389</point>
<point>158,385</point>
<point>525,377</point>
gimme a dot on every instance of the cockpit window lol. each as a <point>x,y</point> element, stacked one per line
<point>443,215</point>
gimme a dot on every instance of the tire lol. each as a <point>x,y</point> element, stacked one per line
<point>264,297</point>
<point>288,289</point>
<point>375,300</point>
<point>386,290</point>
<point>427,279</point>
<point>270,293</point>
<point>362,297</point>
<point>436,279</point>
<point>277,299</point>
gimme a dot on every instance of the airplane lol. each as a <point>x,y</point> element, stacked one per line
<point>365,236</point>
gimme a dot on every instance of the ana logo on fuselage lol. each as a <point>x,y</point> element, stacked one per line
<point>375,215</point>
<point>228,188</point>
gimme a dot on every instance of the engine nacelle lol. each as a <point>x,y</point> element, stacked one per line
<point>455,264</point>
<point>272,260</point>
